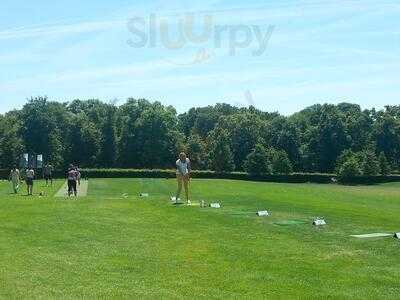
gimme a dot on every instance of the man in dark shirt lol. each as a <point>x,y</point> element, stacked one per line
<point>48,174</point>
<point>72,177</point>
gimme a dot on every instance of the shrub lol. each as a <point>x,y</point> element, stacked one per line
<point>171,173</point>
<point>349,169</point>
<point>358,163</point>
<point>345,156</point>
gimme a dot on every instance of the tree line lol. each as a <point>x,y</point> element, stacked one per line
<point>326,138</point>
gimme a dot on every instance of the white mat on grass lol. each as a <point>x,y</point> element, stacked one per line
<point>82,189</point>
<point>372,235</point>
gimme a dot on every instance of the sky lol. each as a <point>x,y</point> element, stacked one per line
<point>278,55</point>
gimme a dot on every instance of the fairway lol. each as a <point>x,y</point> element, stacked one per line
<point>113,243</point>
<point>83,188</point>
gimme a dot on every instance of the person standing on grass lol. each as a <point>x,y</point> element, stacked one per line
<point>15,179</point>
<point>72,177</point>
<point>30,177</point>
<point>48,174</point>
<point>183,170</point>
<point>79,175</point>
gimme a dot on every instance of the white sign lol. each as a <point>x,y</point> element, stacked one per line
<point>39,161</point>
<point>144,195</point>
<point>319,222</point>
<point>24,161</point>
<point>215,205</point>
<point>263,213</point>
<point>397,235</point>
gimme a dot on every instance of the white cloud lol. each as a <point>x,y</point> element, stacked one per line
<point>54,30</point>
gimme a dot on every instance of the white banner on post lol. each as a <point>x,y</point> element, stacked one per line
<point>24,161</point>
<point>39,160</point>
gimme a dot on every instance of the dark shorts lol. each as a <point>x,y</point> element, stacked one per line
<point>29,181</point>
<point>48,176</point>
<point>72,186</point>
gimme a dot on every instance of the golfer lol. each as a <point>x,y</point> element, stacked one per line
<point>30,177</point>
<point>72,177</point>
<point>48,174</point>
<point>15,179</point>
<point>183,170</point>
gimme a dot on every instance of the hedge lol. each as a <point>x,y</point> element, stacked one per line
<point>293,178</point>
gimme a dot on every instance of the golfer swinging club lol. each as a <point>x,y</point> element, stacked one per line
<point>183,170</point>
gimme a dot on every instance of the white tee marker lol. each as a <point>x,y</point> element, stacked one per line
<point>263,213</point>
<point>319,222</point>
<point>215,205</point>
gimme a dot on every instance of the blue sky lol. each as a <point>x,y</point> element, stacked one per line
<point>317,52</point>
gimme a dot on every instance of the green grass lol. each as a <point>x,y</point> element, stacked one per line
<point>110,246</point>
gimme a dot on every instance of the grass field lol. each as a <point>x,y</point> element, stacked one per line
<point>114,246</point>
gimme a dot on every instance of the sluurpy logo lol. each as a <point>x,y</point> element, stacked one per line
<point>205,36</point>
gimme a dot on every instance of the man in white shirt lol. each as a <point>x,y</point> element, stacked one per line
<point>183,170</point>
<point>15,179</point>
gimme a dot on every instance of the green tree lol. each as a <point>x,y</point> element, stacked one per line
<point>370,164</point>
<point>349,169</point>
<point>220,153</point>
<point>325,131</point>
<point>387,135</point>
<point>331,139</point>
<point>257,161</point>
<point>109,148</point>
<point>103,117</point>
<point>126,118</point>
<point>345,155</point>
<point>280,162</point>
<point>11,143</point>
<point>142,134</point>
<point>358,126</point>
<point>244,132</point>
<point>44,128</point>
<point>148,135</point>
<point>203,120</point>
<point>196,150</point>
<point>384,164</point>
<point>84,141</point>
<point>157,137</point>
<point>282,133</point>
